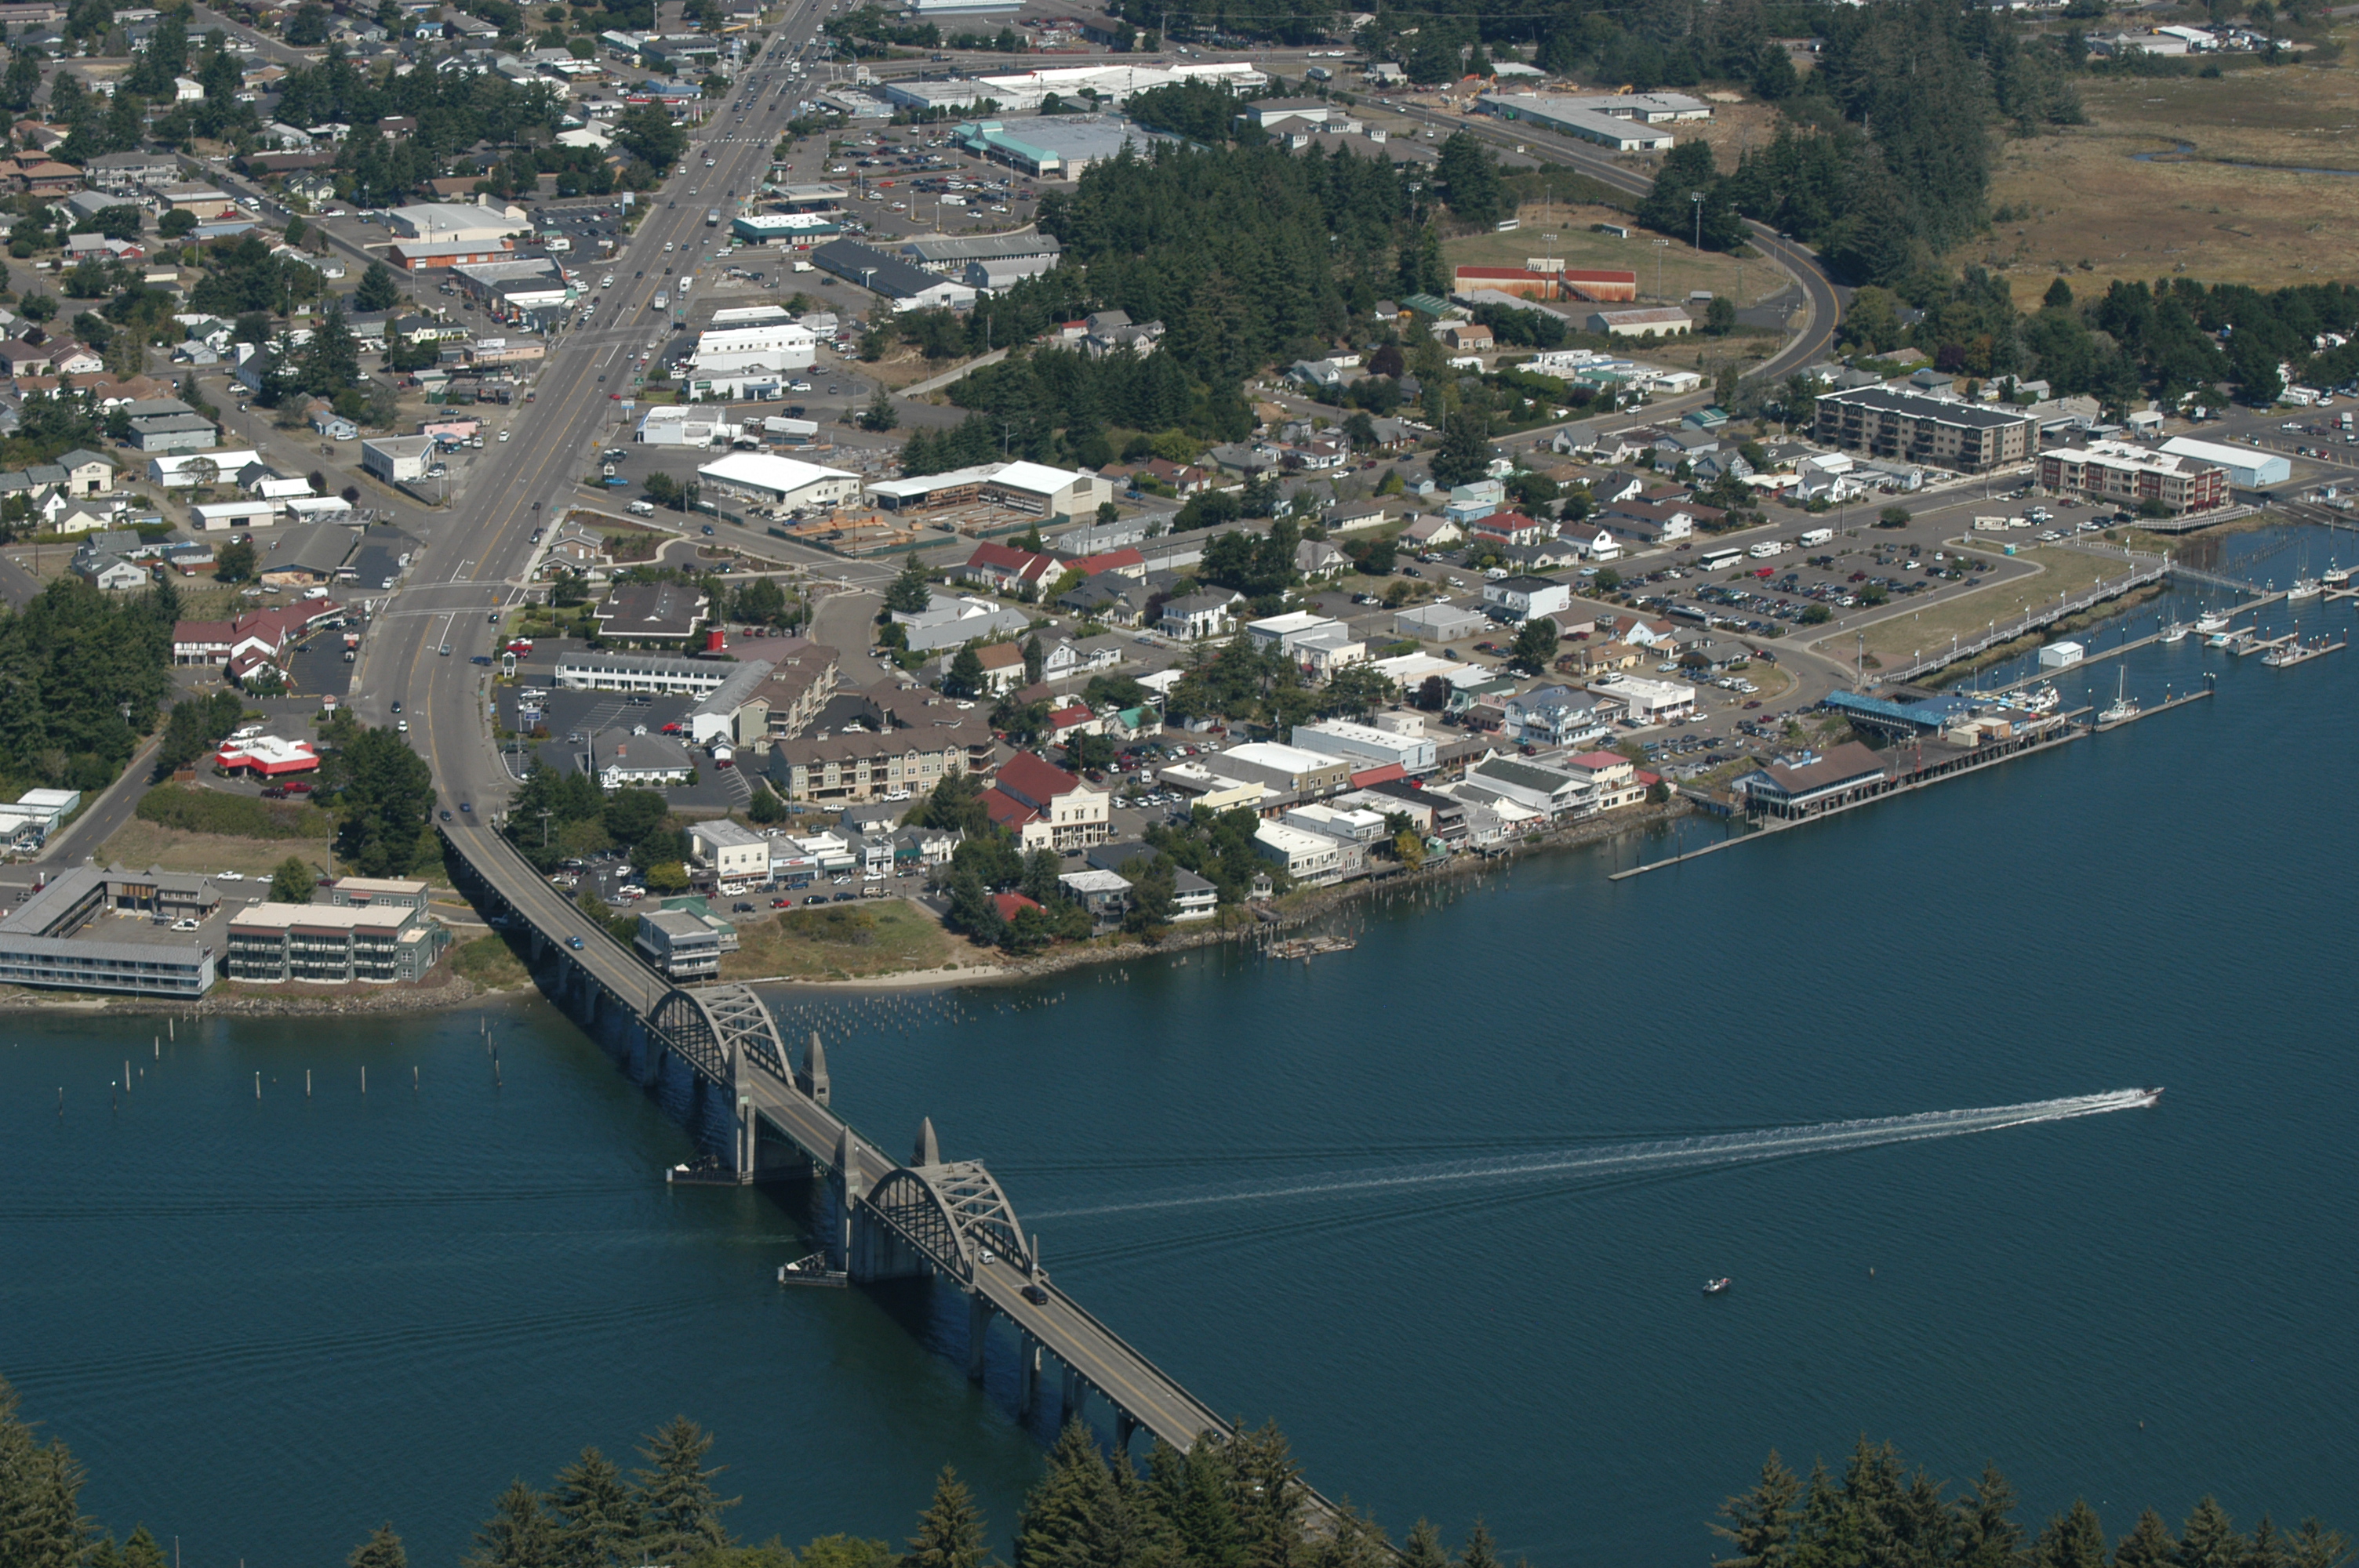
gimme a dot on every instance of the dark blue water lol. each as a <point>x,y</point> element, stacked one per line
<point>267,1326</point>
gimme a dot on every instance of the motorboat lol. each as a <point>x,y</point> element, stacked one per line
<point>2334,576</point>
<point>2303,587</point>
<point>2213,621</point>
<point>2176,631</point>
<point>1715,1287</point>
<point>2222,639</point>
<point>2150,1097</point>
<point>2043,698</point>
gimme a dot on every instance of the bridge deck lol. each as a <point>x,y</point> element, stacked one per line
<point>1127,1379</point>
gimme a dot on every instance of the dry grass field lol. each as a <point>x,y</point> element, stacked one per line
<point>2089,197</point>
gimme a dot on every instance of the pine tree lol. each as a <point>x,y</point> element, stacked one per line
<point>679,1514</point>
<point>910,592</point>
<point>1078,1515</point>
<point>1267,1486</point>
<point>2147,1545</point>
<point>2209,1539</point>
<point>381,1549</point>
<point>2267,1548</point>
<point>2073,1539</point>
<point>1761,1523</point>
<point>1987,1535</point>
<point>519,1534</point>
<point>950,1532</point>
<point>1423,1549</point>
<point>598,1522</point>
<point>1478,1552</point>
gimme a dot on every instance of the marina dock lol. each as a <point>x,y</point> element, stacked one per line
<point>2163,707</point>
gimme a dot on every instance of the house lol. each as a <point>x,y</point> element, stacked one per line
<point>1553,715</point>
<point>1073,719</point>
<point>1433,532</point>
<point>947,621</point>
<point>1192,617</point>
<point>1002,668</point>
<point>1317,558</point>
<point>620,759</point>
<point>1045,805</point>
<point>1067,660</point>
<point>1467,337</point>
<point>1105,895</point>
<point>107,571</point>
<point>87,472</point>
<point>1507,528</point>
<point>1110,597</point>
<point>1006,569</point>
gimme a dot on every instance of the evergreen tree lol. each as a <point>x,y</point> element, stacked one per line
<point>378,290</point>
<point>1535,644</point>
<point>519,1534</point>
<point>950,1532</point>
<point>2147,1545</point>
<point>2073,1539</point>
<point>381,1549</point>
<point>1267,1486</point>
<point>965,675</point>
<point>910,592</point>
<point>1079,1515</point>
<point>1761,1521</point>
<point>598,1519</point>
<point>2209,1539</point>
<point>1465,454</point>
<point>1478,1552</point>
<point>1987,1534</point>
<point>1423,1549</point>
<point>384,794</point>
<point>679,1514</point>
<point>2267,1548</point>
<point>1035,660</point>
<point>293,880</point>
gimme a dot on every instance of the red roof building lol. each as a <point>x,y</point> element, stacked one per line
<point>268,756</point>
<point>1011,904</point>
<point>1006,568</point>
<point>270,632</point>
<point>1512,527</point>
<point>1126,561</point>
<point>1046,805</point>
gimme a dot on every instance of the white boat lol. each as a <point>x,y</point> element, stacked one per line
<point>2041,698</point>
<point>2122,707</point>
<point>2278,658</point>
<point>2211,621</point>
<point>2334,576</point>
<point>1714,1287</point>
<point>2221,640</point>
<point>2176,631</point>
<point>2303,587</point>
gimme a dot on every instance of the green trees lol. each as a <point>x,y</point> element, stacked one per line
<point>965,676</point>
<point>293,880</point>
<point>40,1487</point>
<point>911,591</point>
<point>383,1549</point>
<point>378,290</point>
<point>1535,646</point>
<point>384,794</point>
<point>1469,179</point>
<point>1465,454</point>
<point>880,414</point>
<point>950,1532</point>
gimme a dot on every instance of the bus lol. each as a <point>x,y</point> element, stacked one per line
<point>1720,560</point>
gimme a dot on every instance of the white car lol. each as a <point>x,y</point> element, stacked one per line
<point>667,247</point>
<point>184,925</point>
<point>229,876</point>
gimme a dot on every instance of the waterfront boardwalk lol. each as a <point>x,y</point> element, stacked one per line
<point>927,1216</point>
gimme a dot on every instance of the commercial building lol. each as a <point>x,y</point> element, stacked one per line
<point>951,253</point>
<point>1526,598</point>
<point>1052,493</point>
<point>1310,858</point>
<point>592,670</point>
<point>1647,701</point>
<point>180,470</point>
<point>375,943</point>
<point>2129,475</point>
<point>1439,621</point>
<point>1367,745</point>
<point>2247,468</point>
<point>1055,147</point>
<point>732,853</point>
<point>1579,117</point>
<point>679,944</point>
<point>905,284</point>
<point>1799,789</point>
<point>1288,770</point>
<point>783,228</point>
<point>779,484</point>
<point>753,361</point>
<point>1045,805</point>
<point>630,758</point>
<point>1642,321</point>
<point>451,223</point>
<point>43,942</point>
<point>880,743</point>
<point>1551,716</point>
<point>1939,431</point>
<point>398,460</point>
<point>268,757</point>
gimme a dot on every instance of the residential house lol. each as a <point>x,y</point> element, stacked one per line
<point>1113,598</point>
<point>1006,569</point>
<point>1552,717</point>
<point>1045,805</point>
<point>1193,617</point>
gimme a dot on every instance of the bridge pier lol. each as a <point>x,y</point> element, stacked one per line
<point>1027,1376</point>
<point>978,1335</point>
<point>1075,1395</point>
<point>1124,1423</point>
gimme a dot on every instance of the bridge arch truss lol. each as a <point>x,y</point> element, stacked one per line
<point>711,1025</point>
<point>951,1212</point>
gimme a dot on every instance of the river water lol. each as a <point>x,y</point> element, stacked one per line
<point>1365,1196</point>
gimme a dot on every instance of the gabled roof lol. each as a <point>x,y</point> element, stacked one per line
<point>1033,780</point>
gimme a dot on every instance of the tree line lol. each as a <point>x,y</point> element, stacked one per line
<point>82,677</point>
<point>1882,1512</point>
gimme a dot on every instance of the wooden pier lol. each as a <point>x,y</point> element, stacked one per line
<point>2105,726</point>
<point>2262,644</point>
<point>2068,733</point>
<point>2301,653</point>
<point>1308,947</point>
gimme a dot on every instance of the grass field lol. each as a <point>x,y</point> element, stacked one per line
<point>2088,197</point>
<point>1902,637</point>
<point>143,844</point>
<point>844,942</point>
<point>1683,268</point>
<point>491,962</point>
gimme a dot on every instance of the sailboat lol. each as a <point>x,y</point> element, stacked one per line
<point>2122,709</point>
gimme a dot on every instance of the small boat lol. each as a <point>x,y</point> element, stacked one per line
<point>2303,587</point>
<point>2211,621</point>
<point>1714,1287</point>
<point>2122,707</point>
<point>2176,631</point>
<point>2041,698</point>
<point>2334,576</point>
<point>2152,1096</point>
<point>2222,639</point>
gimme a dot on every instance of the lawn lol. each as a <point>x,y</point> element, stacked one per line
<point>492,962</point>
<point>1899,638</point>
<point>845,942</point>
<point>1682,268</point>
<point>2086,194</point>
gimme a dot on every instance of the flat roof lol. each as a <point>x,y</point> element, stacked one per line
<point>1919,406</point>
<point>272,915</point>
<point>762,471</point>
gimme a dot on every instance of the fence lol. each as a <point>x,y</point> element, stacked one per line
<point>2031,621</point>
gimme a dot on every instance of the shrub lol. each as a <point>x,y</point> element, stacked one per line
<point>188,809</point>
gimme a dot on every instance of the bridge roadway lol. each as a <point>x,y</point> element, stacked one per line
<point>1140,1392</point>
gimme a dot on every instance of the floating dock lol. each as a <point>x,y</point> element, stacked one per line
<point>2164,705</point>
<point>1308,947</point>
<point>2285,658</point>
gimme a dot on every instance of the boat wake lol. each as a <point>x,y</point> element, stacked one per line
<point>1670,1154</point>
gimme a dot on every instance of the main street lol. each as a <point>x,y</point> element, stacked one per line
<point>478,555</point>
